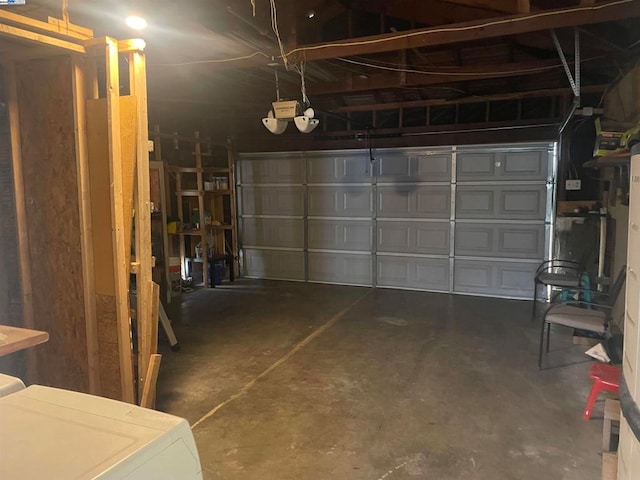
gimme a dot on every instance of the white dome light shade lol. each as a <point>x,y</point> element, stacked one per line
<point>306,124</point>
<point>274,125</point>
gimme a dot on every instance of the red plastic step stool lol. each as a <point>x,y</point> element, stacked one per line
<point>605,378</point>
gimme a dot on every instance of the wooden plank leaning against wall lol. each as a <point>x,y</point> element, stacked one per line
<point>76,186</point>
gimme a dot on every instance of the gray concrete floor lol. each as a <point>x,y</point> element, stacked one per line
<point>391,385</point>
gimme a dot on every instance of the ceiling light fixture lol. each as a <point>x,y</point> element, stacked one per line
<point>311,14</point>
<point>136,22</point>
<point>283,111</point>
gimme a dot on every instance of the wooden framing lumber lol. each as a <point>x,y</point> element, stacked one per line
<point>53,26</point>
<point>121,257</point>
<point>509,6</point>
<point>468,31</point>
<point>203,227</point>
<point>231,161</point>
<point>441,75</point>
<point>86,228</point>
<point>70,29</point>
<point>151,374</point>
<point>21,216</point>
<point>39,39</point>
<point>147,345</point>
<point>550,92</point>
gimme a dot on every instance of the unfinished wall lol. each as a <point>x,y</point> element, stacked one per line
<point>622,102</point>
<point>10,291</point>
<point>50,182</point>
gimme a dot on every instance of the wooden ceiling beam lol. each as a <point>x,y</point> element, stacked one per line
<point>549,92</point>
<point>507,6</point>
<point>470,31</point>
<point>355,83</point>
<point>438,12</point>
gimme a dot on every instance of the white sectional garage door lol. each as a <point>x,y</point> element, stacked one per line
<point>471,220</point>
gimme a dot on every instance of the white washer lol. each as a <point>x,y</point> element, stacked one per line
<point>59,434</point>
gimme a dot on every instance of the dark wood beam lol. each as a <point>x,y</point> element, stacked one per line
<point>549,92</point>
<point>508,6</point>
<point>470,134</point>
<point>471,31</point>
<point>437,12</point>
<point>441,75</point>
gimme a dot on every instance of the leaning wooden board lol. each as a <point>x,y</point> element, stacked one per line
<point>13,339</point>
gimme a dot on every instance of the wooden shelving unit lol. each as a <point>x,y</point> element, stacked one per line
<point>207,212</point>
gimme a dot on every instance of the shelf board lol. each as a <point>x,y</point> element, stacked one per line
<point>220,227</point>
<point>193,233</point>
<point>184,169</point>
<point>218,192</point>
<point>613,159</point>
<point>189,193</point>
<point>215,169</point>
<point>199,170</point>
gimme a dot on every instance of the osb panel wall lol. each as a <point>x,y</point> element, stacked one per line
<point>50,177</point>
<point>622,102</point>
<point>10,291</point>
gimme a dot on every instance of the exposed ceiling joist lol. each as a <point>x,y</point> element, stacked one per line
<point>470,31</point>
<point>548,92</point>
<point>508,6</point>
<point>354,83</point>
<point>432,13</point>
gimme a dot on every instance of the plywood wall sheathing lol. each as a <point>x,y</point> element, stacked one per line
<point>52,219</point>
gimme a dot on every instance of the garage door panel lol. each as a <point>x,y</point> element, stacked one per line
<point>272,170</point>
<point>273,232</point>
<point>275,264</point>
<point>429,238</point>
<point>413,272</point>
<point>414,201</point>
<point>340,235</point>
<point>476,166</point>
<point>525,165</point>
<point>508,279</point>
<point>502,166</point>
<point>414,167</point>
<point>496,240</point>
<point>339,169</point>
<point>340,268</point>
<point>517,202</point>
<point>286,201</point>
<point>347,201</point>
<point>346,213</point>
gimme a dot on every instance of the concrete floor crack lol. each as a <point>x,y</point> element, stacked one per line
<point>299,346</point>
